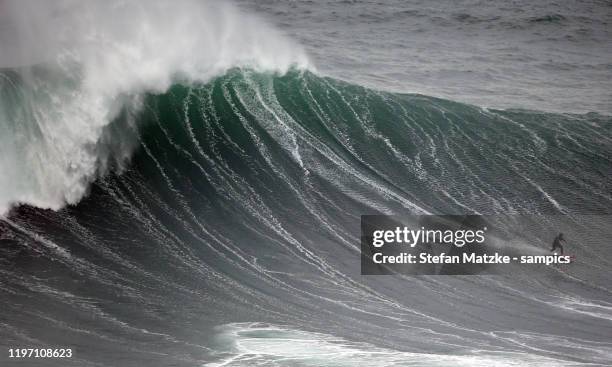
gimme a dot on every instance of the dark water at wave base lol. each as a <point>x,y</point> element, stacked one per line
<point>232,236</point>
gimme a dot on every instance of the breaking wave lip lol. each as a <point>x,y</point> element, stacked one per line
<point>70,68</point>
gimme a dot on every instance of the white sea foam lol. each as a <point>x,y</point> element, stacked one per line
<point>70,67</point>
<point>257,344</point>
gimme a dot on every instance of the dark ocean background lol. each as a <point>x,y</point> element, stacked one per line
<point>541,55</point>
<point>214,220</point>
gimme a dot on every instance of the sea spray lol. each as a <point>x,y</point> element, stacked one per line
<point>64,80</point>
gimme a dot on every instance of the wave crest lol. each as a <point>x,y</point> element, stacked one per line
<point>70,68</point>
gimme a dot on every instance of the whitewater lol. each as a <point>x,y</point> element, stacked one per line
<point>70,68</point>
<point>181,183</point>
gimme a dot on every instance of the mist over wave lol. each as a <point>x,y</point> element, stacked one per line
<point>71,67</point>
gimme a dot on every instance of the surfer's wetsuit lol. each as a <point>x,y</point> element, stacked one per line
<point>557,243</point>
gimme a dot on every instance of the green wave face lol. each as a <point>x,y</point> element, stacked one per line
<point>374,150</point>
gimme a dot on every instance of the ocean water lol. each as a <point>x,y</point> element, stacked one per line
<point>542,55</point>
<point>181,183</point>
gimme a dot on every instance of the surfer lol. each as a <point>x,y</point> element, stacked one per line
<point>557,243</point>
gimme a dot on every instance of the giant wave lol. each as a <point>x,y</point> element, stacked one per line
<point>213,213</point>
<point>242,204</point>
